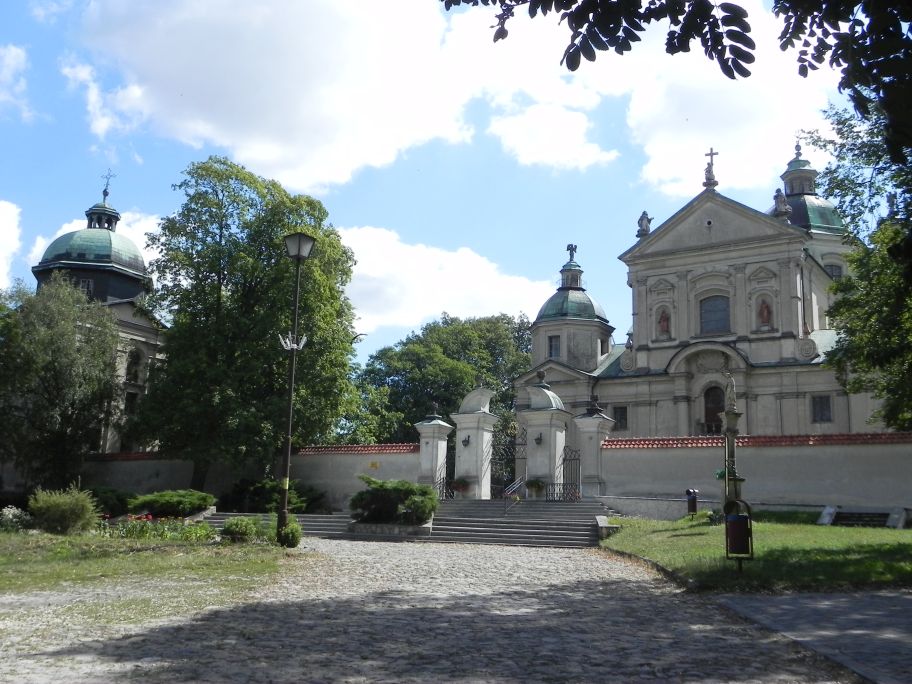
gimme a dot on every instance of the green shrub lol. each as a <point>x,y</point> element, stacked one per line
<point>112,502</point>
<point>63,511</point>
<point>394,501</point>
<point>240,529</point>
<point>13,519</point>
<point>290,535</point>
<point>175,503</point>
<point>170,529</point>
<point>264,497</point>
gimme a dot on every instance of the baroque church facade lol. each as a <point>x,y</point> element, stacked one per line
<point>109,268</point>
<point>721,292</point>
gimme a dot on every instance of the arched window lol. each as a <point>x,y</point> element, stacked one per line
<point>714,316</point>
<point>713,405</point>
<point>834,271</point>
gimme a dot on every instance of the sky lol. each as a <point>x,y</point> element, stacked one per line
<point>457,169</point>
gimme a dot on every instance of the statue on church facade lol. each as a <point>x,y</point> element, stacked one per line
<point>664,324</point>
<point>764,314</point>
<point>644,223</point>
<point>781,208</point>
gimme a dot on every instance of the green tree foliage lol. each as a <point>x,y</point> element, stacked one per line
<point>226,285</point>
<point>58,379</point>
<point>873,311</point>
<point>873,316</point>
<point>443,362</point>
<point>870,42</point>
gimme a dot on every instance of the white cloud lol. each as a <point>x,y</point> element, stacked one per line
<point>119,110</point>
<point>10,232</point>
<point>550,135</point>
<point>46,11</point>
<point>404,285</point>
<point>309,93</point>
<point>13,63</point>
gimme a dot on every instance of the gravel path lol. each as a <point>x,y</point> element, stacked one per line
<point>386,612</point>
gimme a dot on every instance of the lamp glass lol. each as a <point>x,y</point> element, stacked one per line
<point>299,245</point>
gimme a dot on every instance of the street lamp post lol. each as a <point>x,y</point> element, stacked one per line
<point>298,246</point>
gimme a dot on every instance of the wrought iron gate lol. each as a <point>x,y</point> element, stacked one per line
<point>568,489</point>
<point>508,462</point>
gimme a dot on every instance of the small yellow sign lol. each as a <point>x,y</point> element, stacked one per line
<point>374,465</point>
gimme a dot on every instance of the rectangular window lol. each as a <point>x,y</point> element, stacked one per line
<point>553,346</point>
<point>87,286</point>
<point>619,413</point>
<point>714,316</point>
<point>821,409</point>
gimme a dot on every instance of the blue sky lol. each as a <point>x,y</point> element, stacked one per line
<point>456,169</point>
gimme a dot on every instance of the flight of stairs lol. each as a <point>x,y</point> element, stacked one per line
<point>466,521</point>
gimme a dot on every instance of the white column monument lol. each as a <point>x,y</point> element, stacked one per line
<point>546,423</point>
<point>433,431</point>
<point>592,427</point>
<point>475,441</point>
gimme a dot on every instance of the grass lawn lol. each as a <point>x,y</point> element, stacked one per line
<point>45,562</point>
<point>790,553</point>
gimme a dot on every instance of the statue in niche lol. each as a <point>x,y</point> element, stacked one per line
<point>664,324</point>
<point>764,314</point>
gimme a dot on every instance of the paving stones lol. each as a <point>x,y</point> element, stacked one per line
<point>402,612</point>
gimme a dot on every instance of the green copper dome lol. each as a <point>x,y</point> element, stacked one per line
<point>97,247</point>
<point>808,209</point>
<point>571,300</point>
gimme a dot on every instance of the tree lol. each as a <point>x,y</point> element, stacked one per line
<point>443,362</point>
<point>873,309</point>
<point>873,316</point>
<point>58,379</point>
<point>869,41</point>
<point>225,284</point>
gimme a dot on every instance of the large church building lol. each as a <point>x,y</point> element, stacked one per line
<point>719,290</point>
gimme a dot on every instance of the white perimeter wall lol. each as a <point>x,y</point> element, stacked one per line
<point>874,475</point>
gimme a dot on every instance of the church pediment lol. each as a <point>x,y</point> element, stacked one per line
<point>706,222</point>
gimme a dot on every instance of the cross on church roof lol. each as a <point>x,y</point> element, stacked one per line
<point>107,179</point>
<point>710,181</point>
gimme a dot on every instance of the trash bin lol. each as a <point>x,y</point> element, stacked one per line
<point>691,500</point>
<point>739,541</point>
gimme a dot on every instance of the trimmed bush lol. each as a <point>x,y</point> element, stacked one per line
<point>240,529</point>
<point>175,503</point>
<point>394,501</point>
<point>290,535</point>
<point>112,502</point>
<point>264,497</point>
<point>63,511</point>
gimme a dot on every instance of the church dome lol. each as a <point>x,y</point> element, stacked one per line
<point>571,299</point>
<point>808,209</point>
<point>108,266</point>
<point>97,247</point>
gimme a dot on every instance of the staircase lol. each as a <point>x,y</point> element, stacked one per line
<point>527,523</point>
<point>312,525</point>
<point>467,521</point>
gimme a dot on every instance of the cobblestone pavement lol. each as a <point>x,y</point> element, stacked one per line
<point>385,612</point>
<point>870,632</point>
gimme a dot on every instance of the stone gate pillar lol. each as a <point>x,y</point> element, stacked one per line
<point>592,427</point>
<point>475,442</point>
<point>546,434</point>
<point>433,431</point>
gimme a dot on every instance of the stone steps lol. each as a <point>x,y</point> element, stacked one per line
<point>527,523</point>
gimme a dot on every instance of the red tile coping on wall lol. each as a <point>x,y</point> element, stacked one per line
<point>357,449</point>
<point>361,449</point>
<point>759,440</point>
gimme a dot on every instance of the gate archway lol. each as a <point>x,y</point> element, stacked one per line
<point>508,461</point>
